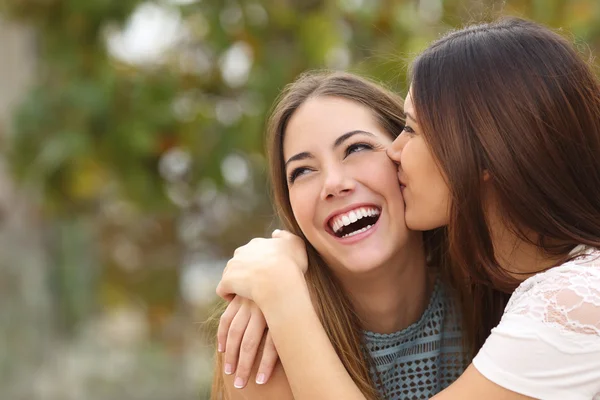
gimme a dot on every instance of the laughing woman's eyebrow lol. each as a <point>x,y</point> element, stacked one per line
<point>338,142</point>
<point>348,135</point>
<point>300,156</point>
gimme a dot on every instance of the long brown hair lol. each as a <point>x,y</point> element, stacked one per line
<point>515,99</point>
<point>333,306</point>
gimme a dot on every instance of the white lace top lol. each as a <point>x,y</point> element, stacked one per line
<point>547,344</point>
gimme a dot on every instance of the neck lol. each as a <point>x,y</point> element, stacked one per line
<point>521,258</point>
<point>393,296</point>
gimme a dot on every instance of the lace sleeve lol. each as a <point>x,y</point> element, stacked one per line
<point>566,298</point>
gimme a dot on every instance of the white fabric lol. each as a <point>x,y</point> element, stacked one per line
<point>547,345</point>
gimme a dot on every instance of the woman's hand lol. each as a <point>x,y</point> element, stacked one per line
<point>241,330</point>
<point>271,272</point>
<point>265,268</point>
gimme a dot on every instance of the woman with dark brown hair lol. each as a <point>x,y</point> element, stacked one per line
<point>502,150</point>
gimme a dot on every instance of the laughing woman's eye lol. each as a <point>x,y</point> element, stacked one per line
<point>296,173</point>
<point>353,148</point>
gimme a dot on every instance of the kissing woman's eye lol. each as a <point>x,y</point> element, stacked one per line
<point>409,130</point>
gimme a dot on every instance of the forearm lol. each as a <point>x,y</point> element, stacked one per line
<point>311,364</point>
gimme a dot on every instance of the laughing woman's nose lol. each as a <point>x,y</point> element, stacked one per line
<point>337,184</point>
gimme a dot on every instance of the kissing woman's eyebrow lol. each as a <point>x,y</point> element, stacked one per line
<point>410,116</point>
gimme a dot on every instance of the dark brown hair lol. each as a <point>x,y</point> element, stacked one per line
<point>515,99</point>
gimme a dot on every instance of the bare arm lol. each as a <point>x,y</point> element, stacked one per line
<point>278,387</point>
<point>310,361</point>
<point>472,385</point>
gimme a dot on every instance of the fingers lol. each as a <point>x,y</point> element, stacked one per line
<point>276,233</point>
<point>225,322</point>
<point>249,347</point>
<point>280,233</point>
<point>225,290</point>
<point>296,248</point>
<point>234,338</point>
<point>268,361</point>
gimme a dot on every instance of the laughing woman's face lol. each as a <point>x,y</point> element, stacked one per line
<point>343,187</point>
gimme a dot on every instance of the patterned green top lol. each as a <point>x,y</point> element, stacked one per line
<point>423,359</point>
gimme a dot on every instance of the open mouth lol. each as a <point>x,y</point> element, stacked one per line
<point>354,222</point>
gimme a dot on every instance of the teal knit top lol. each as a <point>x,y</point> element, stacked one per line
<point>423,359</point>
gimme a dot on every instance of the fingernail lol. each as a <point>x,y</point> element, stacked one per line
<point>220,348</point>
<point>238,383</point>
<point>260,379</point>
<point>276,231</point>
<point>228,369</point>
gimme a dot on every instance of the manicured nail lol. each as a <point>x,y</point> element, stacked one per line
<point>238,383</point>
<point>228,369</point>
<point>220,348</point>
<point>260,379</point>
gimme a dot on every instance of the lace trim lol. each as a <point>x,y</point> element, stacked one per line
<point>566,297</point>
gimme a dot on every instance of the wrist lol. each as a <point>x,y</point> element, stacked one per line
<point>282,291</point>
<point>293,311</point>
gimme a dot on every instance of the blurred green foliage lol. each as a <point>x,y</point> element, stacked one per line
<point>92,121</point>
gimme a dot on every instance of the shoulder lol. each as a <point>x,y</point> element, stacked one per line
<point>566,297</point>
<point>547,344</point>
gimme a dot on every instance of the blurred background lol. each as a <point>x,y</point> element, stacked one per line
<point>131,166</point>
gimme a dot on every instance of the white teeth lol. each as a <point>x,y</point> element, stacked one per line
<point>353,217</point>
<point>357,232</point>
<point>339,221</point>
